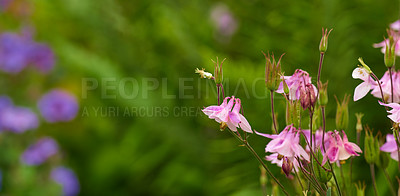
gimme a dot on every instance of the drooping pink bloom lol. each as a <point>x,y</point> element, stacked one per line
<point>386,87</point>
<point>286,143</point>
<point>220,113</point>
<point>338,149</point>
<point>394,112</point>
<point>363,88</point>
<point>299,79</point>
<point>390,146</point>
<point>225,114</point>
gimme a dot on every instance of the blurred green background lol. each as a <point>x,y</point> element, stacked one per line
<point>157,44</point>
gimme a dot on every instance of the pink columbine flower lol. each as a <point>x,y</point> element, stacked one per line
<point>299,79</point>
<point>225,114</point>
<point>395,112</point>
<point>286,143</point>
<point>338,149</point>
<point>390,146</point>
<point>363,88</point>
<point>386,87</point>
<point>396,35</point>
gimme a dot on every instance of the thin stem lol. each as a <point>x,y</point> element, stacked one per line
<point>298,178</point>
<point>397,138</point>
<point>323,146</point>
<point>380,87</point>
<point>372,169</point>
<point>390,182</point>
<point>218,93</point>
<point>391,82</point>
<point>259,160</point>
<point>222,89</point>
<point>321,60</point>
<point>313,154</point>
<point>334,177</point>
<point>311,179</point>
<point>273,112</point>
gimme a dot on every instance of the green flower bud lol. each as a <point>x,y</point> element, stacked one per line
<point>321,174</point>
<point>390,55</point>
<point>365,66</point>
<point>323,44</point>
<point>218,74</point>
<point>360,189</point>
<point>342,113</point>
<point>359,124</point>
<point>272,72</point>
<point>371,148</point>
<point>323,93</point>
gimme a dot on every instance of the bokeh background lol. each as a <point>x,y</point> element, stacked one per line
<point>131,66</point>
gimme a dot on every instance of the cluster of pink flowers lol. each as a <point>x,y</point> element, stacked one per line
<point>287,144</point>
<point>296,82</point>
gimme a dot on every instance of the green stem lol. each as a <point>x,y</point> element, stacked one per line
<point>372,169</point>
<point>259,160</point>
<point>389,182</point>
<point>273,112</point>
<point>391,83</point>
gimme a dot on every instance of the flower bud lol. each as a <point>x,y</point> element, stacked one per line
<point>272,72</point>
<point>359,124</point>
<point>342,113</point>
<point>287,166</point>
<point>307,96</point>
<point>383,158</point>
<point>360,189</point>
<point>218,74</point>
<point>285,87</point>
<point>323,44</point>
<point>371,148</point>
<point>323,93</point>
<point>390,53</point>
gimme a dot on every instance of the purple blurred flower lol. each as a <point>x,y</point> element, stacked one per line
<point>42,57</point>
<point>224,20</point>
<point>19,50</point>
<point>58,106</point>
<point>5,102</point>
<point>67,179</point>
<point>18,119</point>
<point>14,50</point>
<point>4,4</point>
<point>39,152</point>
